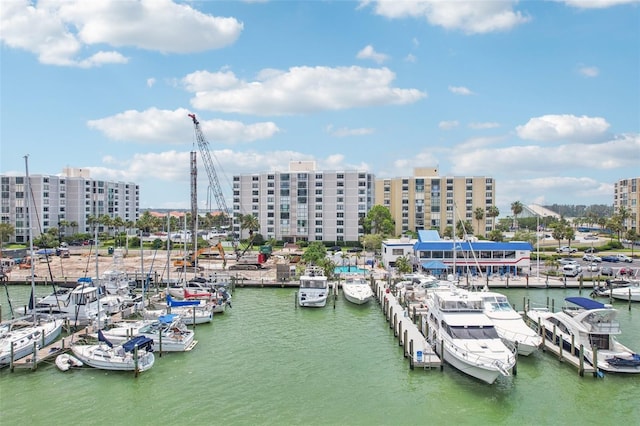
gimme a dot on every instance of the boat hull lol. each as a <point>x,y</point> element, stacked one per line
<point>24,339</point>
<point>66,361</point>
<point>104,357</point>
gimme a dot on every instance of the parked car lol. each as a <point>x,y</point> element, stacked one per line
<point>355,250</point>
<point>572,270</point>
<point>591,250</point>
<point>593,267</point>
<point>624,258</point>
<point>566,249</point>
<point>606,270</point>
<point>591,258</point>
<point>610,258</point>
<point>567,261</point>
<point>335,249</point>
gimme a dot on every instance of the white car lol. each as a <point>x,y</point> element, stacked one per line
<point>591,258</point>
<point>623,258</point>
<point>566,249</point>
<point>593,267</point>
<point>567,261</point>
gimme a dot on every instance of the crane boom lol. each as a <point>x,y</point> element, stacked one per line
<point>203,145</point>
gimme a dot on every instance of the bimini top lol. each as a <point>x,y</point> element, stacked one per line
<point>586,303</point>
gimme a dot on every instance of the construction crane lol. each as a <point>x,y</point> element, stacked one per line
<point>203,145</point>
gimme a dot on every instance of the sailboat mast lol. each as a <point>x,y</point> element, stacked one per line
<point>33,266</point>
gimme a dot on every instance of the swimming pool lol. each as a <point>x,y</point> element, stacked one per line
<point>349,270</point>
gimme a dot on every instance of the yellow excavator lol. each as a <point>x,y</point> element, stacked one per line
<point>190,262</point>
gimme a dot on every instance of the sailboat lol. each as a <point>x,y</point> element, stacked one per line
<point>18,339</point>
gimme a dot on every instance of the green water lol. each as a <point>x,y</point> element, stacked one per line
<point>264,362</point>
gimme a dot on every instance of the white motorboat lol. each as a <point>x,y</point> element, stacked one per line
<point>509,324</point>
<point>219,299</point>
<point>314,288</point>
<point>463,336</point>
<point>592,325</point>
<point>190,311</point>
<point>169,333</point>
<point>20,340</point>
<point>66,361</point>
<point>80,305</point>
<point>133,355</point>
<point>357,290</point>
<point>629,293</point>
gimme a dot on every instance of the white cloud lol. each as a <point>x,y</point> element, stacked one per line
<point>298,90</point>
<point>151,82</point>
<point>369,52</point>
<point>345,131</point>
<point>481,126</point>
<point>460,90</point>
<point>410,58</point>
<point>589,71</point>
<point>563,127</point>
<point>174,127</point>
<point>448,125</point>
<point>467,16</point>
<point>597,4</point>
<point>59,32</point>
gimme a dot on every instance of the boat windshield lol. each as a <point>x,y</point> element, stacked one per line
<point>472,332</point>
<point>497,304</point>
<point>312,284</point>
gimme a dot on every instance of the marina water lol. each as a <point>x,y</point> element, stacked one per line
<point>266,362</point>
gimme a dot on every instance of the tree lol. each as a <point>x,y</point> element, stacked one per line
<point>516,209</point>
<point>478,214</point>
<point>463,229</point>
<point>493,212</point>
<point>403,265</point>
<point>624,215</point>
<point>6,231</point>
<point>495,235</point>
<point>378,221</point>
<point>372,241</point>
<point>632,236</point>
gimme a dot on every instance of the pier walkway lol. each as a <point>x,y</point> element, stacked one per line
<point>415,345</point>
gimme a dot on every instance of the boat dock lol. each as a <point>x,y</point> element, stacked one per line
<point>554,345</point>
<point>415,345</point>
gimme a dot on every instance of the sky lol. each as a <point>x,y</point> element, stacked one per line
<point>543,96</point>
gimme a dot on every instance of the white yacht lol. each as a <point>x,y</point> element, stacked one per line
<point>463,336</point>
<point>18,340</point>
<point>79,305</point>
<point>314,288</point>
<point>592,324</point>
<point>509,324</point>
<point>357,290</point>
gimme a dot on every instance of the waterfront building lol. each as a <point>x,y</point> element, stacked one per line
<point>625,196</point>
<point>304,203</point>
<point>469,257</point>
<point>65,202</point>
<point>429,201</point>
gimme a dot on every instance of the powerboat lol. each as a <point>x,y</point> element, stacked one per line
<point>592,325</point>
<point>169,333</point>
<point>80,305</point>
<point>20,339</point>
<point>133,355</point>
<point>357,290</point>
<point>463,336</point>
<point>509,324</point>
<point>629,293</point>
<point>190,311</point>
<point>314,288</point>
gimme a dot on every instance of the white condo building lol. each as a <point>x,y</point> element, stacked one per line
<point>71,197</point>
<point>304,203</point>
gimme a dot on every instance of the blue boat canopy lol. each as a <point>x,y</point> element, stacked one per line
<point>168,318</point>
<point>173,302</point>
<point>586,303</point>
<point>434,264</point>
<point>143,342</point>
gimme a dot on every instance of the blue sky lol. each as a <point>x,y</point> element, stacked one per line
<point>544,96</point>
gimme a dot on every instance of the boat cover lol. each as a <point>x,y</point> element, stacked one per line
<point>168,318</point>
<point>585,302</point>
<point>173,302</point>
<point>142,342</point>
<point>102,338</point>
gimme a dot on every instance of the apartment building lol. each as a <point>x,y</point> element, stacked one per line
<point>428,201</point>
<point>71,197</point>
<point>304,203</point>
<point>625,195</point>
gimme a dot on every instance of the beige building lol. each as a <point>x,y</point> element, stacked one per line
<point>626,195</point>
<point>429,201</point>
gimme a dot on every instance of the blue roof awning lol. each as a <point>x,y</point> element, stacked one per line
<point>434,264</point>
<point>586,303</point>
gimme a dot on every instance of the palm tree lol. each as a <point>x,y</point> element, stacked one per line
<point>493,212</point>
<point>624,215</point>
<point>6,231</point>
<point>478,214</point>
<point>516,209</point>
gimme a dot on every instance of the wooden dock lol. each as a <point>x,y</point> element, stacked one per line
<point>415,345</point>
